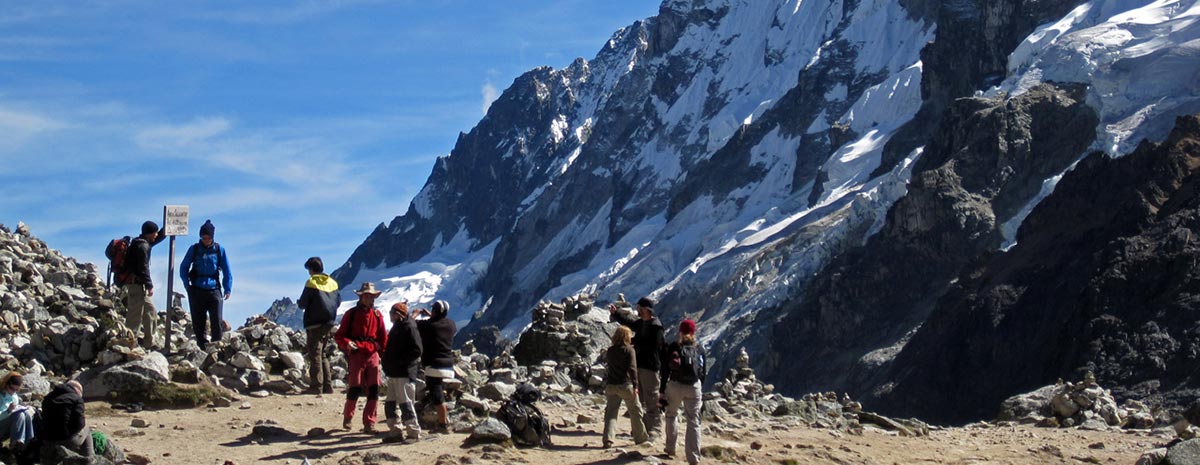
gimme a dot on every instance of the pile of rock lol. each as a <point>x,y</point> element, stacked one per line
<point>1185,450</point>
<point>260,356</point>
<point>56,316</point>
<point>573,334</point>
<point>1084,404</point>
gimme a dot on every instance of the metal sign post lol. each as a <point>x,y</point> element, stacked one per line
<point>175,223</point>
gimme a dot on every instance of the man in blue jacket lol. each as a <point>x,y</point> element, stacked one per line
<point>199,272</point>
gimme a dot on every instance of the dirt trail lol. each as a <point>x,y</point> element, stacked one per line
<point>208,436</point>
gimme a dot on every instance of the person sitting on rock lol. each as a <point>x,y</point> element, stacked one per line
<point>64,423</point>
<point>402,365</point>
<point>648,343</point>
<point>620,384</point>
<point>361,336</point>
<point>16,420</point>
<point>437,341</point>
<point>683,370</point>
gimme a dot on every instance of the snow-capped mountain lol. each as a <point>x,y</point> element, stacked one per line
<point>806,177</point>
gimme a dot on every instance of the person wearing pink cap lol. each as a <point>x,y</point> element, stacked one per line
<point>683,370</point>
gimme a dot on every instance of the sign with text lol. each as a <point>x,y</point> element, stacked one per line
<point>175,220</point>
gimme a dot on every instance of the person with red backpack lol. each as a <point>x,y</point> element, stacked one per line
<point>202,264</point>
<point>683,370</point>
<point>362,336</point>
<point>139,288</point>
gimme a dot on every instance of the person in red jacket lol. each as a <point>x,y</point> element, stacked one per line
<point>362,336</point>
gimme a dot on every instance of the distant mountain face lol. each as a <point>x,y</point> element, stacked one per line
<point>286,313</point>
<point>812,180</point>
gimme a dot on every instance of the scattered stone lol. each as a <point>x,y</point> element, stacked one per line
<point>491,430</point>
<point>139,423</point>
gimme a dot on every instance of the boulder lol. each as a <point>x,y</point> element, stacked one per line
<point>491,430</point>
<point>1184,453</point>
<point>131,378</point>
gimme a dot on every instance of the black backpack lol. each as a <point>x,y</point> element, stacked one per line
<point>527,424</point>
<point>687,364</point>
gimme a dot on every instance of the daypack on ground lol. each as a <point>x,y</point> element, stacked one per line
<point>116,251</point>
<point>527,424</point>
<point>687,364</point>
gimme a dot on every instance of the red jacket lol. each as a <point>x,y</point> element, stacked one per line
<point>365,327</point>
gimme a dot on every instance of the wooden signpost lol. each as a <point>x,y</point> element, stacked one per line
<point>175,223</point>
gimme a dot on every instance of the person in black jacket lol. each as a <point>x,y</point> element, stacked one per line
<point>684,368</point>
<point>620,384</point>
<point>437,356</point>
<point>648,344</point>
<point>63,421</point>
<point>402,365</point>
<point>320,301</point>
<point>141,312</point>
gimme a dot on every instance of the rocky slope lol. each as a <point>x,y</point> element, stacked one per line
<point>814,181</point>
<point>286,313</point>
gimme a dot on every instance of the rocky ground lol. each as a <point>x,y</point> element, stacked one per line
<point>223,435</point>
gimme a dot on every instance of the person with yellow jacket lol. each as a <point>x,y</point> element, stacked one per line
<point>320,301</point>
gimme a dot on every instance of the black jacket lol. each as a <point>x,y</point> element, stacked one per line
<point>437,342</point>
<point>647,339</point>
<point>622,366</point>
<point>320,301</point>
<point>402,357</point>
<point>137,260</point>
<point>62,414</point>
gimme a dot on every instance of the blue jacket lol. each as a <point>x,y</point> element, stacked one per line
<point>200,266</point>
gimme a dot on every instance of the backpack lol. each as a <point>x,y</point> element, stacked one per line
<point>116,251</point>
<point>527,424</point>
<point>687,364</point>
<point>196,257</point>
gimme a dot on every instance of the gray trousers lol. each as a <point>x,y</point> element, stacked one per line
<point>141,313</point>
<point>689,397</point>
<point>80,443</point>
<point>402,393</point>
<point>651,414</point>
<point>613,395</point>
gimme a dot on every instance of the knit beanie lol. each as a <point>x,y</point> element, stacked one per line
<point>207,229</point>
<point>149,227</point>
<point>687,327</point>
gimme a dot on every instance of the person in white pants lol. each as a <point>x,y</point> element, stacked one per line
<point>402,364</point>
<point>683,371</point>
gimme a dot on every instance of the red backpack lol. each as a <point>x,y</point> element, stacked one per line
<point>116,251</point>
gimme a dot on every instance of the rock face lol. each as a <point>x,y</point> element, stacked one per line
<point>1108,290</point>
<point>286,313</point>
<point>989,159</point>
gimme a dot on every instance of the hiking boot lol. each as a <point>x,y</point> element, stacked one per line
<point>414,435</point>
<point>393,439</point>
<point>346,424</point>
<point>327,389</point>
<point>607,445</point>
<point>440,429</point>
<point>369,429</point>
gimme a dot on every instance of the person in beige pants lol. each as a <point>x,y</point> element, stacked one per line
<point>683,373</point>
<point>140,288</point>
<point>620,384</point>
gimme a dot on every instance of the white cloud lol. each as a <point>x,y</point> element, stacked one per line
<point>490,94</point>
<point>20,126</point>
<point>181,136</point>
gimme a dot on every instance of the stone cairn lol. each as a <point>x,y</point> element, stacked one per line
<point>1084,404</point>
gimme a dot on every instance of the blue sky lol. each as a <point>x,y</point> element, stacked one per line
<point>296,127</point>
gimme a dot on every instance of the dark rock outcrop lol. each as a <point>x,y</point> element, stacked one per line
<point>1103,277</point>
<point>989,158</point>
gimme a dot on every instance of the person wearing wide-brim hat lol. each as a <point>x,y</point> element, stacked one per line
<point>361,336</point>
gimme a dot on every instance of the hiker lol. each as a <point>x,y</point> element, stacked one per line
<point>140,288</point>
<point>16,420</point>
<point>320,300</point>
<point>361,336</point>
<point>648,345</point>
<point>684,368</point>
<point>63,421</point>
<point>620,384</point>
<point>199,272</point>
<point>437,342</point>
<point>402,365</point>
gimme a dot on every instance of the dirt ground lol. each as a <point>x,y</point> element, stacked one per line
<point>224,435</point>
